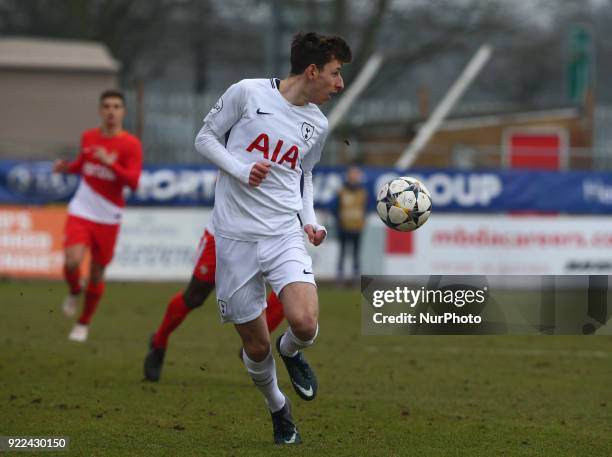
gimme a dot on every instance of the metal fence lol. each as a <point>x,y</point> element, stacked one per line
<point>169,122</point>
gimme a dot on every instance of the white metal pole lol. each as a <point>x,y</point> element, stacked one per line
<point>366,75</point>
<point>432,124</point>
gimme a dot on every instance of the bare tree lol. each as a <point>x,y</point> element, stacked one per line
<point>128,27</point>
<point>208,43</point>
<point>370,33</point>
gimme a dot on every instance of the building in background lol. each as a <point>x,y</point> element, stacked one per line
<point>555,138</point>
<point>49,90</point>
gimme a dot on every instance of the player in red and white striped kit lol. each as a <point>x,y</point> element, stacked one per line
<point>110,159</point>
<point>198,289</point>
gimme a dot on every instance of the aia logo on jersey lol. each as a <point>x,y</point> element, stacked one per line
<point>307,131</point>
<point>280,154</point>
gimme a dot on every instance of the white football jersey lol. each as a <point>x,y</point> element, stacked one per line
<point>258,123</point>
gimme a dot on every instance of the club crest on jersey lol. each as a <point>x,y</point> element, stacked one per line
<point>290,154</point>
<point>218,106</point>
<point>307,131</point>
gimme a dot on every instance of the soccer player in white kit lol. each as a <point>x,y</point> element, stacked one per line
<point>265,134</point>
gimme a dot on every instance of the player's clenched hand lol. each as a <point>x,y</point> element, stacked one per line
<point>60,166</point>
<point>315,237</point>
<point>259,172</point>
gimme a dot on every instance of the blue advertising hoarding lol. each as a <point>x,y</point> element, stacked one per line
<point>481,191</point>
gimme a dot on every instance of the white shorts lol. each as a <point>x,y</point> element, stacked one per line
<point>243,268</point>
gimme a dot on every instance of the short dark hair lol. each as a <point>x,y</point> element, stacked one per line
<point>112,93</point>
<point>309,48</point>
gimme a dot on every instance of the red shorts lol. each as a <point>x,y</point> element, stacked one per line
<point>207,261</point>
<point>100,238</point>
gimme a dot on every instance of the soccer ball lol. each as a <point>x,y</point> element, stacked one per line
<point>403,204</point>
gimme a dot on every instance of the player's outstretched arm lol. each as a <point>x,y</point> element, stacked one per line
<point>61,166</point>
<point>207,144</point>
<point>316,232</point>
<point>221,118</point>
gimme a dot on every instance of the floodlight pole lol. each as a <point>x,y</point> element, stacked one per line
<point>432,124</point>
<point>345,102</point>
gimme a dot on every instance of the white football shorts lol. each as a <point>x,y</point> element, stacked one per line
<point>243,268</point>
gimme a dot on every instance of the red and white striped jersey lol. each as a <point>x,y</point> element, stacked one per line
<point>99,197</point>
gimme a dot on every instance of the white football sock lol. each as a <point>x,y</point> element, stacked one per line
<point>263,375</point>
<point>291,344</point>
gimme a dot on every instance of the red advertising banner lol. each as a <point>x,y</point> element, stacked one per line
<point>31,242</point>
<point>536,149</point>
<point>398,242</point>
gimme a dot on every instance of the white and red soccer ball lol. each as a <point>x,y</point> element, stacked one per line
<point>403,204</point>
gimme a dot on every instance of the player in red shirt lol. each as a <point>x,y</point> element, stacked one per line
<point>110,159</point>
<point>200,286</point>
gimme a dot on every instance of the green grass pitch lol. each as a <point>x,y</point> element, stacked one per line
<point>379,396</point>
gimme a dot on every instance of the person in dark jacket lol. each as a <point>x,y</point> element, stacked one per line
<point>352,200</point>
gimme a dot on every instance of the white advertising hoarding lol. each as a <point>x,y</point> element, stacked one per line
<point>507,245</point>
<point>160,244</point>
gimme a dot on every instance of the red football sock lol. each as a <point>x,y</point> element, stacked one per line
<point>73,278</point>
<point>274,312</point>
<point>176,311</point>
<point>92,297</point>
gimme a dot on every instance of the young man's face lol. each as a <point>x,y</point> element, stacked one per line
<point>112,111</point>
<point>328,82</point>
